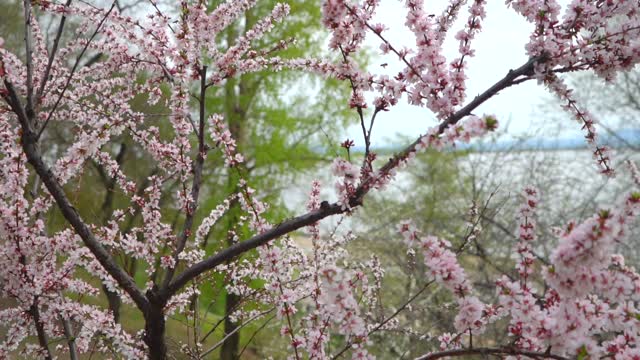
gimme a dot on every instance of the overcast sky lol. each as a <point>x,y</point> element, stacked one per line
<point>499,48</point>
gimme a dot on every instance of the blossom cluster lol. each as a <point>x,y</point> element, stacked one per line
<point>444,268</point>
<point>526,232</point>
<point>588,306</point>
<point>222,137</point>
<point>590,290</point>
<point>348,174</point>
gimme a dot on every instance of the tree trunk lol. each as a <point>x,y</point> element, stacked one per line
<point>42,335</point>
<point>154,332</point>
<point>114,303</point>
<point>235,118</point>
<point>230,346</point>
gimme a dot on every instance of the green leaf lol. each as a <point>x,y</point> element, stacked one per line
<point>582,353</point>
<point>491,122</point>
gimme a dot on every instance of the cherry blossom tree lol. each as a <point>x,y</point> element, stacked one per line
<point>580,305</point>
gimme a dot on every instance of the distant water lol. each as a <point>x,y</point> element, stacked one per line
<point>625,138</point>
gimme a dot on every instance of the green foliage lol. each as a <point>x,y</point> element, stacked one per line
<point>11,25</point>
<point>433,196</point>
<point>583,353</point>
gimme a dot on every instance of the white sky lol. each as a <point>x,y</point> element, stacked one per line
<point>499,48</point>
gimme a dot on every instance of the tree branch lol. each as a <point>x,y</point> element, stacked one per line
<point>73,71</point>
<point>52,55</point>
<point>490,351</point>
<point>28,14</point>
<point>219,343</point>
<point>242,247</point>
<point>386,320</point>
<point>505,82</point>
<point>333,209</point>
<point>197,180</point>
<point>31,149</point>
<point>42,335</point>
<point>71,339</point>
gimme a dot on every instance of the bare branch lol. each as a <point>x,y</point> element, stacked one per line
<point>71,342</point>
<point>28,15</point>
<point>52,55</point>
<point>73,71</point>
<point>42,335</point>
<point>245,323</point>
<point>389,318</point>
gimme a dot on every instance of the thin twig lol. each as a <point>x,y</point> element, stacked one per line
<point>73,70</point>
<point>389,318</point>
<point>254,335</point>
<point>52,55</point>
<point>28,17</point>
<point>197,181</point>
<point>237,328</point>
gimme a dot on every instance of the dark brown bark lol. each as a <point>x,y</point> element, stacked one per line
<point>154,327</point>
<point>31,149</point>
<point>42,335</point>
<point>30,146</point>
<point>114,303</point>
<point>229,350</point>
<point>107,210</point>
<point>237,249</point>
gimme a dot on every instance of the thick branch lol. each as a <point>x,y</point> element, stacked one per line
<point>333,209</point>
<point>31,150</point>
<point>71,339</point>
<point>258,240</point>
<point>197,179</point>
<point>490,351</point>
<point>42,335</point>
